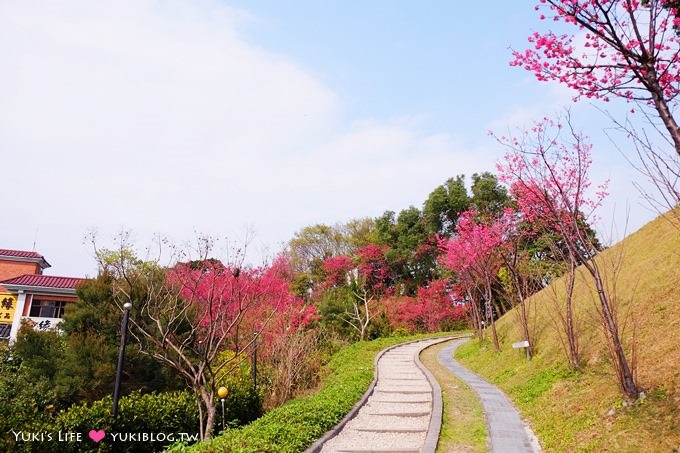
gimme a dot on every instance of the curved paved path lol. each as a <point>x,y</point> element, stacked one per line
<point>403,413</point>
<point>507,432</point>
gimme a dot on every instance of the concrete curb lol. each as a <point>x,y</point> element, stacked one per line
<point>318,445</point>
<point>435,426</point>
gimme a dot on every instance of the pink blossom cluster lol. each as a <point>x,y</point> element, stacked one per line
<point>336,268</point>
<point>474,253</point>
<point>429,311</point>
<point>630,49</point>
<point>370,262</point>
<point>256,299</point>
<point>548,177</point>
<point>373,266</point>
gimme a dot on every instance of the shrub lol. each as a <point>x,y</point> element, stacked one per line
<point>294,426</point>
<point>165,415</point>
<point>242,405</point>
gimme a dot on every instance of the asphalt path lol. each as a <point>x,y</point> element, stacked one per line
<point>507,432</point>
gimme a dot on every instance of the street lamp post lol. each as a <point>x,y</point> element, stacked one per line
<point>222,392</point>
<point>254,367</point>
<point>121,356</point>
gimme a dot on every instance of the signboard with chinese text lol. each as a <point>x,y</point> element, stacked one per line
<point>8,303</point>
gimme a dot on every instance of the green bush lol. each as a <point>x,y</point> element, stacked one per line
<point>242,405</point>
<point>400,332</point>
<point>26,401</point>
<point>294,426</point>
<point>23,409</point>
<point>165,415</point>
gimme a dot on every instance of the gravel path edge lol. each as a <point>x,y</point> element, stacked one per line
<point>435,425</point>
<point>319,443</point>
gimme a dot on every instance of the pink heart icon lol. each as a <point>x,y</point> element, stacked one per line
<point>96,435</point>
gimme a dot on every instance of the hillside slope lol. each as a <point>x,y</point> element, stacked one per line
<point>584,411</point>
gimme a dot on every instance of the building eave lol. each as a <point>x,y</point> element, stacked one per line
<point>40,289</point>
<point>42,262</point>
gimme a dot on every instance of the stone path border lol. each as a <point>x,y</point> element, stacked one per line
<point>435,425</point>
<point>408,383</point>
<point>507,432</point>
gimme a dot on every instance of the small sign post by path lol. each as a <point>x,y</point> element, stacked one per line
<point>523,344</point>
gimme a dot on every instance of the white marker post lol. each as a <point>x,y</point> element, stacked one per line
<point>523,344</point>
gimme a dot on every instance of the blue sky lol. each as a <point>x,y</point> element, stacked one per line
<point>386,59</point>
<point>181,117</point>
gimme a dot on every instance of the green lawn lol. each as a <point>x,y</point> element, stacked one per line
<point>585,411</point>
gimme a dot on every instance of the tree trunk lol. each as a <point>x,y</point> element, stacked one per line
<point>476,317</point>
<point>210,421</point>
<point>489,308</point>
<point>663,110</point>
<point>523,315</point>
<point>572,336</point>
<point>525,326</point>
<point>367,316</point>
<point>200,418</point>
<point>524,320</point>
<point>207,420</point>
<point>626,379</point>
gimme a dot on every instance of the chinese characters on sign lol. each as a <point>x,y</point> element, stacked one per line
<point>44,325</point>
<point>7,306</point>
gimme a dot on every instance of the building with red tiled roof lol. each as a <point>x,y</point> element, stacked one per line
<point>19,262</point>
<point>37,282</point>
<point>22,254</point>
<point>28,295</point>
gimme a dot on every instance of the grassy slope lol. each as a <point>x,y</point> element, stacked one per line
<point>584,411</point>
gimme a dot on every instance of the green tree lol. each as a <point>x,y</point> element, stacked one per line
<point>92,328</point>
<point>313,244</point>
<point>39,353</point>
<point>358,232</point>
<point>488,196</point>
<point>444,204</point>
<point>414,250</point>
<point>27,400</point>
<point>385,229</point>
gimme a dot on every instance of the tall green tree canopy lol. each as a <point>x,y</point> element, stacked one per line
<point>444,204</point>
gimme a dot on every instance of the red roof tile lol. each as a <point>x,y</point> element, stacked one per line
<point>20,253</point>
<point>32,256</point>
<point>44,281</point>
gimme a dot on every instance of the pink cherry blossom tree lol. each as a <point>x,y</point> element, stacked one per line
<point>547,171</point>
<point>432,310</point>
<point>628,49</point>
<point>186,313</point>
<point>367,276</point>
<point>519,275</point>
<point>474,255</point>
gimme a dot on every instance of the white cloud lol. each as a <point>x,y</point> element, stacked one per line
<point>158,117</point>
